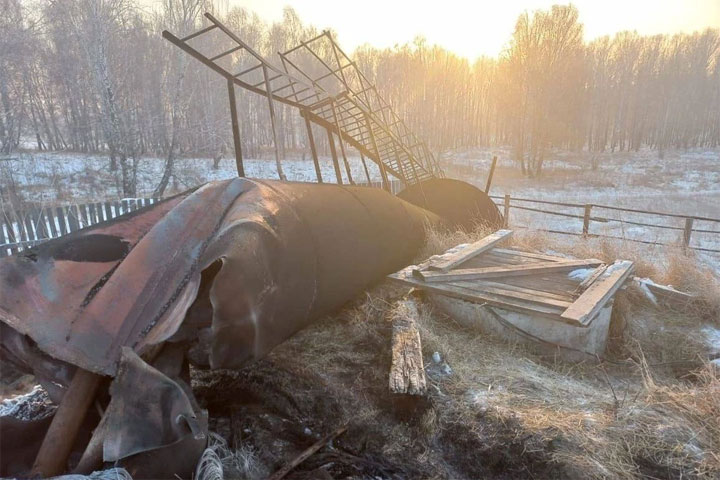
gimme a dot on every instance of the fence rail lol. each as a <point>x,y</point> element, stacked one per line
<point>507,202</point>
<point>23,229</point>
<point>20,230</point>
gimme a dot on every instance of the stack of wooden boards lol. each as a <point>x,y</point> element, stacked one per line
<point>527,296</point>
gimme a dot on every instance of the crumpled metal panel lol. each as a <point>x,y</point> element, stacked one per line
<point>288,253</point>
<point>219,276</point>
<point>44,290</point>
<point>147,410</point>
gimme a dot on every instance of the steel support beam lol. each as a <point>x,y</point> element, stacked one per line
<point>235,129</point>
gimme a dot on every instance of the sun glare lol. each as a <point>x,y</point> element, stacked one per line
<point>475,28</point>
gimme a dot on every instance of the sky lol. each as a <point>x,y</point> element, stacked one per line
<point>472,28</point>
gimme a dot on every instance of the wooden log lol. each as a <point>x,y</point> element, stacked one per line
<point>407,373</point>
<point>307,453</point>
<point>52,458</point>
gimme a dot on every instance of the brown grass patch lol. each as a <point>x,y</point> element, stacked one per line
<point>502,412</point>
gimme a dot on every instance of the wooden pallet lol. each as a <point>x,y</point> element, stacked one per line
<point>521,281</point>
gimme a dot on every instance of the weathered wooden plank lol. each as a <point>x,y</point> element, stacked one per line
<point>592,300</point>
<point>107,206</point>
<point>407,373</point>
<point>468,294</point>
<point>6,227</point>
<point>537,256</point>
<point>521,292</point>
<point>497,272</point>
<point>72,217</point>
<point>488,260</point>
<point>557,283</point>
<point>93,214</point>
<point>502,258</point>
<point>42,230</point>
<point>22,228</point>
<point>99,212</point>
<point>50,216</point>
<point>667,295</point>
<point>512,295</point>
<point>593,276</point>
<point>471,251</point>
<point>61,220</point>
<point>5,232</point>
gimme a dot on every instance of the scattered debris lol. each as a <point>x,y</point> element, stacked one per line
<point>664,294</point>
<point>524,296</point>
<point>307,453</point>
<point>215,277</point>
<point>34,405</point>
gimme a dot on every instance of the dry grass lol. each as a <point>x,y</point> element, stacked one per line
<point>504,412</point>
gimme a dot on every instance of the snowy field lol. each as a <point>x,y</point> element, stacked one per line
<point>683,182</point>
<point>77,178</point>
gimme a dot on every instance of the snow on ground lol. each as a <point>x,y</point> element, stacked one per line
<point>75,178</point>
<point>32,406</point>
<point>683,182</point>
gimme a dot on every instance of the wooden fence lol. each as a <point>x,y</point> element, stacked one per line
<point>23,229</point>
<point>29,227</point>
<point>588,213</point>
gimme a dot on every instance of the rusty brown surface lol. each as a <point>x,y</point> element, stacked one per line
<point>219,276</point>
<point>287,253</point>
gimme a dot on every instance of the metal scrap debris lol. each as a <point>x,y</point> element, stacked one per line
<point>216,277</point>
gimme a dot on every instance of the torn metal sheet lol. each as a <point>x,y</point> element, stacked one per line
<point>148,412</point>
<point>221,274</point>
<point>288,253</point>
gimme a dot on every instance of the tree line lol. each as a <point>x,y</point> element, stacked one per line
<point>96,76</point>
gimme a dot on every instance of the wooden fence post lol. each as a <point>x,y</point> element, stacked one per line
<point>506,211</point>
<point>586,219</point>
<point>490,175</point>
<point>687,232</point>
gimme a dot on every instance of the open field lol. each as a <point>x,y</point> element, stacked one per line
<point>681,183</point>
<point>684,183</point>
